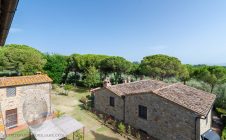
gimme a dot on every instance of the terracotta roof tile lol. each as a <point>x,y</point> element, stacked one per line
<point>24,80</point>
<point>190,98</point>
<point>137,87</point>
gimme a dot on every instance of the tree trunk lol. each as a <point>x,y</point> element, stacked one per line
<point>212,87</point>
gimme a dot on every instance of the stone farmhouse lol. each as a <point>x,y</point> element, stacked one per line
<point>164,111</point>
<point>15,92</point>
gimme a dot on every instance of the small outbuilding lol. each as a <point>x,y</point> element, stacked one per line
<point>56,128</point>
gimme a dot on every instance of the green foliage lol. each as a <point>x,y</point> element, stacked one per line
<point>198,84</point>
<point>223,137</point>
<point>81,63</point>
<point>72,78</point>
<point>116,65</point>
<point>92,77</point>
<point>221,111</point>
<point>59,113</point>
<point>8,73</point>
<point>211,75</point>
<point>160,66</point>
<point>78,135</point>
<point>68,87</point>
<point>184,74</point>
<point>221,96</point>
<point>121,128</point>
<point>21,58</point>
<point>55,66</point>
<point>135,70</point>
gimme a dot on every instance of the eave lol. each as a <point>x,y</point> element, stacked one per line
<point>7,11</point>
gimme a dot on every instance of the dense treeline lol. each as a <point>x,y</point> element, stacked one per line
<point>90,70</point>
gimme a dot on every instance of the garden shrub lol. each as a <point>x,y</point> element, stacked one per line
<point>68,87</point>
<point>78,135</point>
<point>121,128</point>
<point>220,111</point>
<point>223,137</point>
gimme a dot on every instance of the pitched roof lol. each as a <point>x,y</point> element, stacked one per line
<point>195,100</point>
<point>191,98</point>
<point>137,87</point>
<point>24,80</point>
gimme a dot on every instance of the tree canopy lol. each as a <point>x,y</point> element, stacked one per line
<point>212,75</point>
<point>55,66</point>
<point>92,77</point>
<point>117,65</point>
<point>160,66</point>
<point>82,62</point>
<point>24,59</point>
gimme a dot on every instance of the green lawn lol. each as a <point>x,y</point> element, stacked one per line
<point>21,135</point>
<point>71,106</point>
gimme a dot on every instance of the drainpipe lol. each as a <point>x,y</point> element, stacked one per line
<point>124,107</point>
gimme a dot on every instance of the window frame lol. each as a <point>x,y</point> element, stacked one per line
<point>142,112</point>
<point>7,91</point>
<point>112,101</point>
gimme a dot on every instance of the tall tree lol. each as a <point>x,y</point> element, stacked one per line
<point>135,70</point>
<point>212,75</point>
<point>116,65</point>
<point>80,63</point>
<point>184,74</point>
<point>55,66</point>
<point>92,77</point>
<point>160,66</point>
<point>22,58</point>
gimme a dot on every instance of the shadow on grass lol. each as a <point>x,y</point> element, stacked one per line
<point>102,137</point>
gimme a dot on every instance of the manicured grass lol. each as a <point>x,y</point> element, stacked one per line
<point>71,106</point>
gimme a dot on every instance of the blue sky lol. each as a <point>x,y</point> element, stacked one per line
<point>192,30</point>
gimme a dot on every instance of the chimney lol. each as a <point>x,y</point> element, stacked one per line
<point>107,83</point>
<point>128,79</point>
<point>38,73</point>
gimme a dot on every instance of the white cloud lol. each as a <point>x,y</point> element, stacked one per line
<point>15,30</point>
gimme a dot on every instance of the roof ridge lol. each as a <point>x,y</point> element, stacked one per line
<point>166,87</point>
<point>10,77</point>
<point>137,82</point>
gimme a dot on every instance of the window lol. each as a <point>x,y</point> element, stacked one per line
<point>112,101</point>
<point>11,91</point>
<point>11,118</point>
<point>142,112</point>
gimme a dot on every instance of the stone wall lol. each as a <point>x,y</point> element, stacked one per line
<point>165,120</point>
<point>102,103</point>
<point>24,93</point>
<point>205,124</point>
